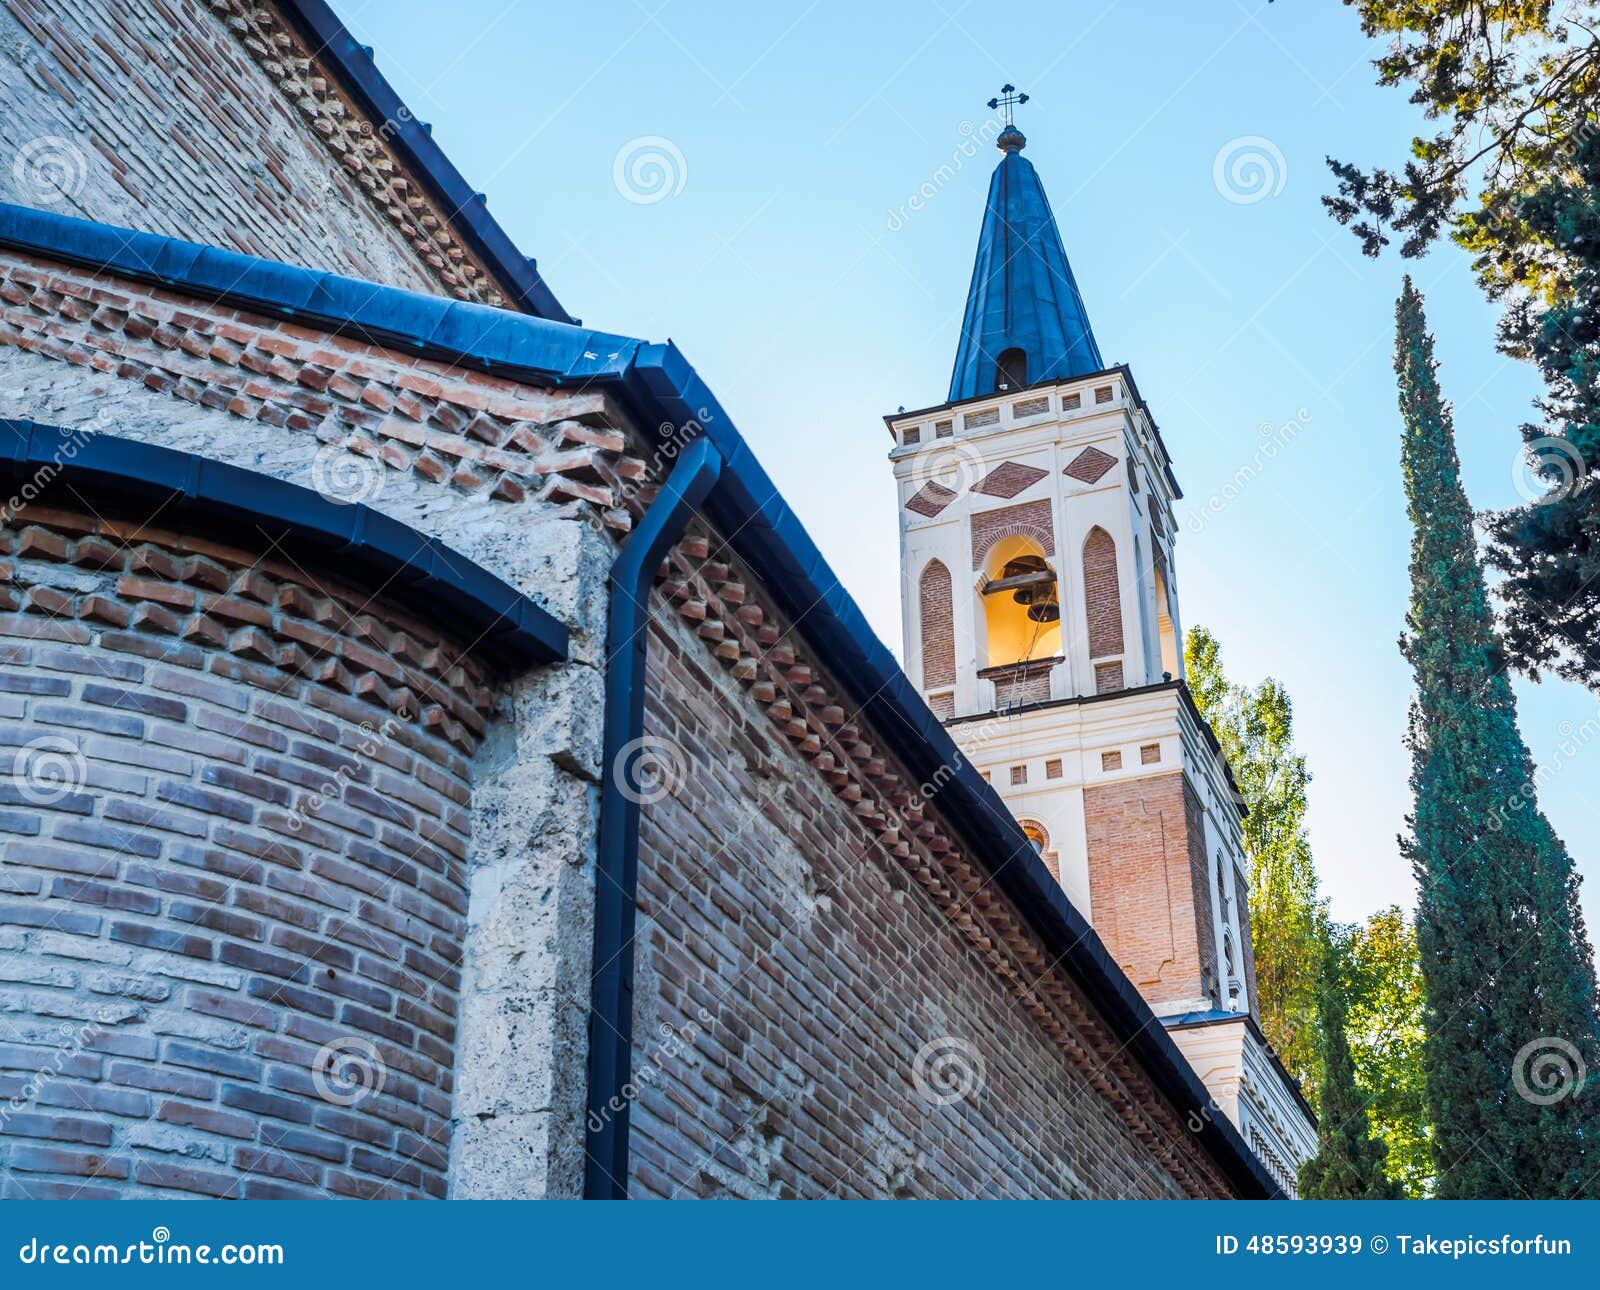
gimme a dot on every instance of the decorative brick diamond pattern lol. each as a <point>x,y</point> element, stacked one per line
<point>930,499</point>
<point>1090,465</point>
<point>1008,479</point>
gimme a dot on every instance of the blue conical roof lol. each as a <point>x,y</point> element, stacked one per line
<point>1023,295</point>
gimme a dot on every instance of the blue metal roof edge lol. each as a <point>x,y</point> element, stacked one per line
<point>415,570</point>
<point>666,392</point>
<point>497,340</point>
<point>359,76</point>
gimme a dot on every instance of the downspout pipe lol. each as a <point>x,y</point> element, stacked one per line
<point>617,861</point>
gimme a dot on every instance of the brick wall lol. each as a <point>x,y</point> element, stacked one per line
<point>1149,885</point>
<point>532,485</point>
<point>466,430</point>
<point>830,1000</point>
<point>233,887</point>
<point>1102,595</point>
<point>938,627</point>
<point>209,122</point>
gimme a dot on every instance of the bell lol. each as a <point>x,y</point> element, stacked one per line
<point>1043,604</point>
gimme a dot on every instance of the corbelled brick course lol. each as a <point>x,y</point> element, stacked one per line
<point>477,433</point>
<point>235,808</point>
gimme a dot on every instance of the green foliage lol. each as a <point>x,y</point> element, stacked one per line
<point>1504,956</point>
<point>1381,980</point>
<point>1513,171</point>
<point>1350,1161</point>
<point>1256,730</point>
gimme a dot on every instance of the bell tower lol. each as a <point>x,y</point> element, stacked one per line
<point>1040,617</point>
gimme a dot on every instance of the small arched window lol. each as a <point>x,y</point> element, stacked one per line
<point>1011,370</point>
<point>1041,846</point>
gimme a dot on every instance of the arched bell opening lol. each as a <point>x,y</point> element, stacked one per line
<point>1021,602</point>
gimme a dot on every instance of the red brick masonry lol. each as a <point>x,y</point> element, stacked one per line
<point>816,948</point>
<point>232,894</point>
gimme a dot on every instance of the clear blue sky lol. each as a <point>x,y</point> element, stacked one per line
<point>776,263</point>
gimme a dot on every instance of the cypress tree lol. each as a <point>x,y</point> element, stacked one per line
<point>1510,1021</point>
<point>1349,1164</point>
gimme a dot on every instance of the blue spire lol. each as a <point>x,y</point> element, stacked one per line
<point>1023,295</point>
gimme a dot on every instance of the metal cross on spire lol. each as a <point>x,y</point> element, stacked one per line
<point>1008,99</point>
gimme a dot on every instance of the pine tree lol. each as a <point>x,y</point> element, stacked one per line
<point>1510,170</point>
<point>1350,1160</point>
<point>1510,1021</point>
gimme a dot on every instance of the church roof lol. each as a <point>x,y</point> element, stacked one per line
<point>1023,295</point>
<point>656,383</point>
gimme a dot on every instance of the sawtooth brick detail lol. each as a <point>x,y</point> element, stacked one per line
<point>938,626</point>
<point>1029,519</point>
<point>468,430</point>
<point>234,872</point>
